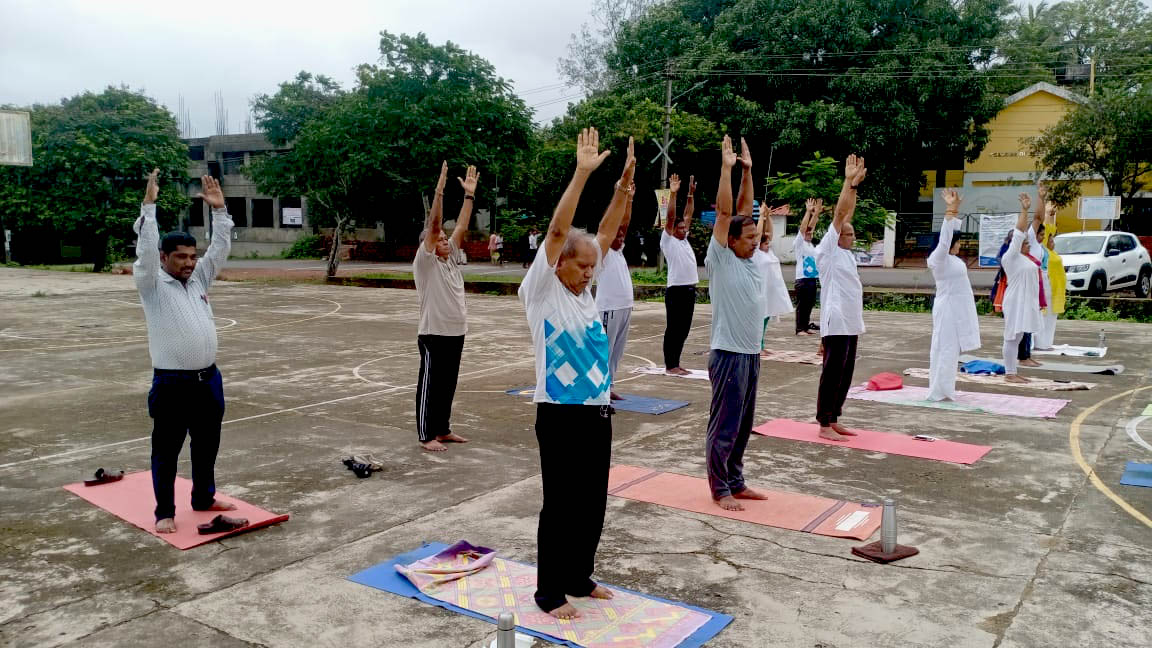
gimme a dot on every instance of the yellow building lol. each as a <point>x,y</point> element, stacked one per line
<point>1005,160</point>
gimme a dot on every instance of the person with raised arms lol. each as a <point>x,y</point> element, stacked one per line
<point>680,295</point>
<point>573,381</point>
<point>1022,296</point>
<point>807,282</point>
<point>955,326</point>
<point>614,294</point>
<point>776,299</point>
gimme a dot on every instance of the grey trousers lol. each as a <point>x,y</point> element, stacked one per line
<point>616,326</point>
<point>734,377</point>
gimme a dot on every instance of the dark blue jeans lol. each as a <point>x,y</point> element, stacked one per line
<point>185,403</point>
<point>730,417</point>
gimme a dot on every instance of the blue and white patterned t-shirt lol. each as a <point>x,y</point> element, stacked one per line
<point>805,258</point>
<point>569,339</point>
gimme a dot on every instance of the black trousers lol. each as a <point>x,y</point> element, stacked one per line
<point>679,304</point>
<point>185,403</point>
<point>807,291</point>
<point>436,384</point>
<point>835,377</point>
<point>1025,350</point>
<point>575,455</point>
<point>730,417</point>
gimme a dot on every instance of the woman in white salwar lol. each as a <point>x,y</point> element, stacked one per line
<point>1022,296</point>
<point>955,327</point>
<point>776,299</point>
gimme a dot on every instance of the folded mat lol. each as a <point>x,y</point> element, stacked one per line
<point>784,510</point>
<point>1137,474</point>
<point>1005,404</point>
<point>898,444</point>
<point>695,374</point>
<point>630,402</point>
<point>631,619</point>
<point>1033,383</point>
<point>1046,365</point>
<point>801,357</point>
<point>131,499</point>
<point>1071,350</point>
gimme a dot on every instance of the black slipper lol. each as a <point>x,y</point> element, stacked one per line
<point>221,524</point>
<point>104,477</point>
<point>362,470</point>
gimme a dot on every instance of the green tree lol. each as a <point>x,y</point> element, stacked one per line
<point>821,177</point>
<point>93,153</point>
<point>1108,138</point>
<point>372,152</point>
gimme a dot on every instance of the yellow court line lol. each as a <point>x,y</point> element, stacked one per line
<point>1074,443</point>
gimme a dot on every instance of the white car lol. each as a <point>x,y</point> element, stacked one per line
<point>1097,262</point>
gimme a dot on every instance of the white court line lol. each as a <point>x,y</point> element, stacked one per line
<point>1131,428</point>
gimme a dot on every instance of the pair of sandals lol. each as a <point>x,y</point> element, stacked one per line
<point>104,477</point>
<point>221,524</point>
<point>363,465</point>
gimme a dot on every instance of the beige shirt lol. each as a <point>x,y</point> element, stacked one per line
<point>441,289</point>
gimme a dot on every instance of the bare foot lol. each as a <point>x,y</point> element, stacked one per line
<point>217,505</point>
<point>729,503</point>
<point>1013,378</point>
<point>842,430</point>
<point>676,371</point>
<point>803,332</point>
<point>452,437</point>
<point>1028,363</point>
<point>601,592</point>
<point>566,611</point>
<point>832,435</point>
<point>750,494</point>
<point>167,525</point>
<point>433,446</point>
<point>615,396</point>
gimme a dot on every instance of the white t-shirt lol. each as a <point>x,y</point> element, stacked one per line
<point>841,293</point>
<point>776,299</point>
<point>569,340</point>
<point>614,285</point>
<point>805,254</point>
<point>532,238</point>
<point>681,260</point>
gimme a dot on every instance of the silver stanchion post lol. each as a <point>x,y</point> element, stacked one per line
<point>888,526</point>
<point>506,630</point>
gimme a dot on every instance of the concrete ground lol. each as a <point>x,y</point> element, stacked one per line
<point>1020,549</point>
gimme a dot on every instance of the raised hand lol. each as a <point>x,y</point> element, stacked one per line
<point>813,205</point>
<point>211,193</point>
<point>1025,202</point>
<point>691,185</point>
<point>727,155</point>
<point>854,169</point>
<point>629,164</point>
<point>153,189</point>
<point>443,178</point>
<point>469,181</point>
<point>1042,192</point>
<point>588,155</point>
<point>745,154</point>
<point>674,183</point>
<point>1049,211</point>
<point>952,200</point>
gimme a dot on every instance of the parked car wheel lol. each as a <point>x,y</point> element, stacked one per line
<point>1098,285</point>
<point>1144,283</point>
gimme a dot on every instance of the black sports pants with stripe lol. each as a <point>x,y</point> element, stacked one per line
<point>436,386</point>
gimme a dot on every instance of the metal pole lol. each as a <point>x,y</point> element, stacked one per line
<point>664,161</point>
<point>506,630</point>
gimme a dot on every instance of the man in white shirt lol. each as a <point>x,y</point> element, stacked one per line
<point>533,244</point>
<point>573,424</point>
<point>807,274</point>
<point>841,306</point>
<point>443,315</point>
<point>680,295</point>
<point>187,395</point>
<point>614,294</point>
<point>738,305</point>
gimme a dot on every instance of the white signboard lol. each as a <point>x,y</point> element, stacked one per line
<point>15,138</point>
<point>873,256</point>
<point>292,216</point>
<point>1099,207</point>
<point>993,229</point>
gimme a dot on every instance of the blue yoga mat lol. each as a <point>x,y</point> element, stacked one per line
<point>631,402</point>
<point>1137,474</point>
<point>385,577</point>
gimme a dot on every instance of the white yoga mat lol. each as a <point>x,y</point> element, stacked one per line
<point>1107,370</point>
<point>1075,351</point>
<point>695,374</point>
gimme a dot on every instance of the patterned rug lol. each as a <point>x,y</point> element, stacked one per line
<point>985,402</point>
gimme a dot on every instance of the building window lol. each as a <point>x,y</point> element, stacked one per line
<point>261,212</point>
<point>238,209</point>
<point>231,163</point>
<point>196,213</point>
<point>195,152</point>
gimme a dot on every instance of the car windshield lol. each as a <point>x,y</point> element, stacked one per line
<point>1079,244</point>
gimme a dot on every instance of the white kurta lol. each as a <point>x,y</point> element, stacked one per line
<point>955,326</point>
<point>1022,297</point>
<point>776,297</point>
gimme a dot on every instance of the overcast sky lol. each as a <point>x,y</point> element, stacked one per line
<point>50,49</point>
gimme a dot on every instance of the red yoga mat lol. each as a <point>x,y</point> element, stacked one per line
<point>793,511</point>
<point>898,444</point>
<point>131,500</point>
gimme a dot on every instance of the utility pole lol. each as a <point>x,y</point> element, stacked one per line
<point>667,128</point>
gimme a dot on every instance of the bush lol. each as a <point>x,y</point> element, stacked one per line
<point>308,247</point>
<point>658,277</point>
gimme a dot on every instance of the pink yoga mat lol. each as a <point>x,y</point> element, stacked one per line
<point>986,402</point>
<point>898,444</point>
<point>794,511</point>
<point>131,500</point>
